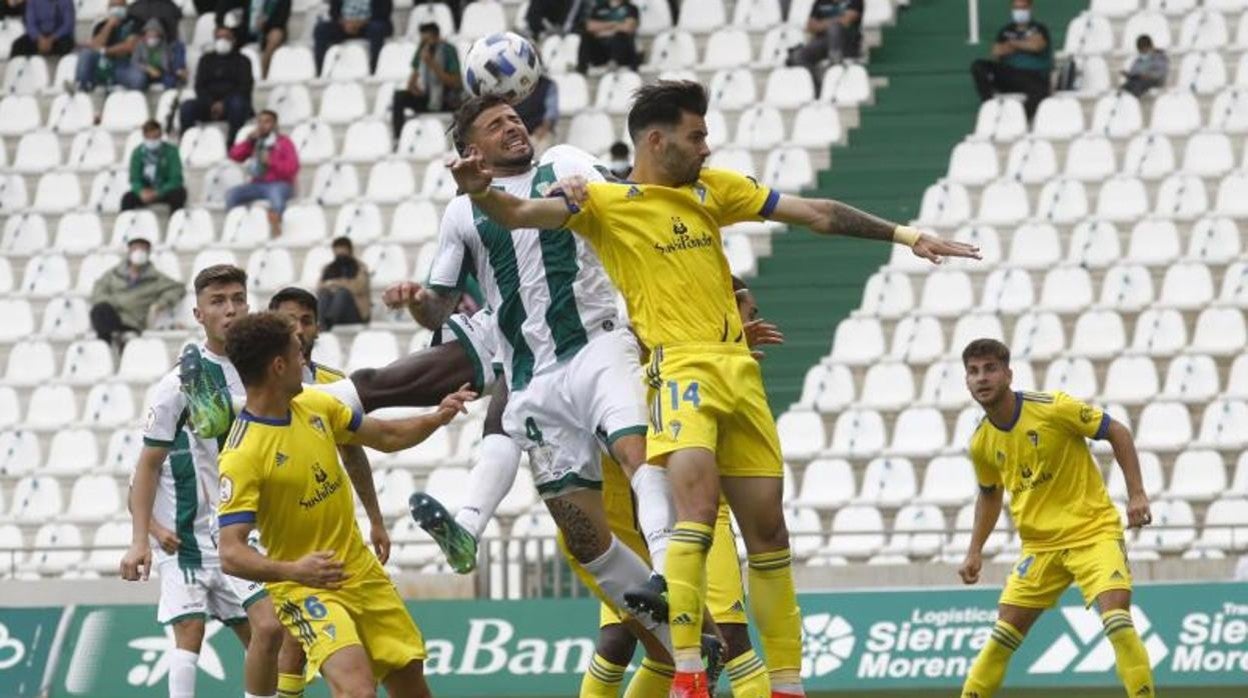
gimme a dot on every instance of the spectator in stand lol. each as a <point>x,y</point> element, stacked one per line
<point>435,84</point>
<point>610,35</point>
<point>834,30</point>
<point>13,8</point>
<point>354,19</point>
<point>126,299</point>
<point>621,164</point>
<point>1148,70</point>
<point>258,21</point>
<point>223,86</point>
<point>112,41</point>
<point>166,11</point>
<point>342,293</point>
<point>49,29</point>
<point>155,60</point>
<point>1022,59</point>
<point>272,164</point>
<point>547,17</point>
<point>155,173</point>
<point>540,113</point>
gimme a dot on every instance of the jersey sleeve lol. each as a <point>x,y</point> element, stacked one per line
<point>240,489</point>
<point>740,198</point>
<point>164,415</point>
<point>1078,417</point>
<point>587,221</point>
<point>986,474</point>
<point>453,263</point>
<point>343,420</point>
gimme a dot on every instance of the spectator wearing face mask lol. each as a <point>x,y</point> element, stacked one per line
<point>155,60</point>
<point>621,165</point>
<point>112,42</point>
<point>272,165</point>
<point>540,113</point>
<point>49,29</point>
<point>1148,70</point>
<point>262,21</point>
<point>127,297</point>
<point>155,173</point>
<point>223,87</point>
<point>1022,58</point>
<point>343,291</point>
<point>12,8</point>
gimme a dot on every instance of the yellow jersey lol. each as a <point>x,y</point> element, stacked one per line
<point>1057,496</point>
<point>283,475</point>
<point>321,375</point>
<point>662,248</point>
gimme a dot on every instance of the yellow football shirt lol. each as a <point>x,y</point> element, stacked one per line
<point>324,374</point>
<point>662,248</point>
<point>1057,495</point>
<point>284,476</point>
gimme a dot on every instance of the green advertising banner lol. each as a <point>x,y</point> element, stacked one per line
<point>855,642</point>
<point>26,638</point>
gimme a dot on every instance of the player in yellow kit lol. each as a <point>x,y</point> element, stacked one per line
<point>1034,445</point>
<point>659,239</point>
<point>280,473</point>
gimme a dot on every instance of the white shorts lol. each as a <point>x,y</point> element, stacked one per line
<point>476,334</point>
<point>566,417</point>
<point>203,593</point>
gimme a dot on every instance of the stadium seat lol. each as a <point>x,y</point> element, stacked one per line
<point>1150,469</point>
<point>835,389</point>
<point>945,204</point>
<point>1059,117</point>
<point>19,453</point>
<point>1182,197</point>
<point>245,227</point>
<point>372,348</point>
<point>1172,530</point>
<point>13,196</point>
<point>1117,115</point>
<point>414,222</point>
<point>1163,426</point>
<point>217,181</point>
<point>846,85</point>
<point>960,541</point>
<point>1098,334</point>
<point>335,184</point>
<point>1127,287</point>
<point>31,362</point>
<point>25,75</point>
<point>482,18</point>
<point>293,105</point>
<point>804,532</point>
<point>760,128</point>
<point>345,62</point>
<point>57,548</point>
<point>1214,241</point>
<point>314,140</point>
<point>973,326</point>
<point>857,341</point>
<point>757,14</point>
<point>1001,119</point>
<point>10,410</point>
<point>91,150</point>
<point>50,407</point>
<point>826,484</point>
<point>857,433</point>
<point>857,532</point>
<point>292,63</point>
<point>1145,22</point>
<point>887,386</point>
<point>1175,113</point>
<point>1090,158</point>
<point>1130,380</point>
<point>1038,245</point>
<point>360,221</point>
<point>1187,286</point>
<point>615,91</point>
<point>1224,425</point>
<point>702,16</point>
<point>917,339</point>
<point>573,93</point>
<point>726,48</point>
<point>86,362</point>
<point>109,540</point>
<point>1074,376</point>
<point>789,88</point>
<point>948,480</point>
<point>1200,476</point>
<point>775,49</point>
<point>423,138</point>
<point>390,181</point>
<point>19,114</point>
<point>46,276</point>
<point>887,295</point>
<point>983,236</point>
<point>72,452</point>
<point>37,151</point>
<point>1208,154</point>
<point>591,131</point>
<point>367,140</point>
<point>1202,72</point>
<point>1122,199</point>
<point>1066,290</point>
<point>918,431</point>
<point>973,162</point>
<point>92,267</point>
<point>108,406</point>
<point>123,450</point>
<point>801,435</point>
<point>36,499</point>
<point>140,223</point>
<point>1038,335</point>
<point>1226,526</point>
<point>1154,242</point>
<point>671,50</point>
<point>78,232</point>
<point>1031,161</point>
<point>918,531</point>
<point>1149,156</point>
<point>269,269</point>
<point>93,499</point>
<point>1229,111</point>
<point>1089,33</point>
<point>57,192</point>
<point>944,385</point>
<point>732,89</point>
<point>1003,202</point>
<point>24,234</point>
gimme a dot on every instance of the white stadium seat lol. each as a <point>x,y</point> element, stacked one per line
<point>918,431</point>
<point>702,16</point>
<point>1090,158</point>
<point>918,530</point>
<point>760,128</point>
<point>314,141</point>
<point>1074,376</point>
<point>1059,117</point>
<point>1098,334</point>
<point>93,499</point>
<point>334,184</point>
<point>1122,199</point>
<point>857,341</point>
<point>51,407</point>
<point>1214,241</point>
<point>1089,33</point>
<point>1149,156</point>
<point>109,405</point>
<point>1150,469</point>
<point>857,532</point>
<point>1182,197</point>
<point>87,362</point>
<point>24,234</point>
<point>826,484</point>
<point>37,151</point>
<point>1226,525</point>
<point>1187,286</point>
<point>1127,287</point>
<point>1001,119</point>
<point>973,162</point>
<point>35,500</point>
<point>857,433</point>
<point>948,481</point>
<point>57,549</point>
<point>944,385</point>
<point>30,363</point>
<point>1038,245</point>
<point>371,348</point>
<point>424,138</point>
<point>673,49</point>
<point>615,91</point>
<point>1202,72</point>
<point>1145,22</point>
<point>1003,202</point>
<point>72,452</point>
<point>390,181</point>
<point>1224,425</point>
<point>25,75</point>
<point>732,88</point>
<point>1159,332</point>
<point>1172,530</point>
<point>887,294</point>
<point>1164,426</point>
<point>1038,335</point>
<point>1130,380</point>
<point>1066,290</point>
<point>19,114</point>
<point>1008,290</point>
<point>887,386</point>
<point>801,435</point>
<point>19,454</point>
<point>917,339</point>
<point>1154,242</point>
<point>367,140</point>
<point>1117,115</point>
<point>1220,332</point>
<point>945,204</point>
<point>1200,476</point>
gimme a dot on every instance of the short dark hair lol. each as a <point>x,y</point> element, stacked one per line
<point>467,115</point>
<point>1143,41</point>
<point>151,125</point>
<point>986,348</point>
<point>270,112</point>
<point>662,103</point>
<point>294,294</point>
<point>431,27</point>
<point>342,241</point>
<point>219,274</point>
<point>253,341</point>
<point>619,149</point>
<point>738,284</point>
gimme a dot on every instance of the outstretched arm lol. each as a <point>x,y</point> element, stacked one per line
<point>390,435</point>
<point>474,178</point>
<point>832,217</point>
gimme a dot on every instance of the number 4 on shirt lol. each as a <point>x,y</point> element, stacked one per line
<point>690,394</point>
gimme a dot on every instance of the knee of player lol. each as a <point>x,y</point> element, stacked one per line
<point>267,634</point>
<point>736,639</point>
<point>616,644</point>
<point>360,690</point>
<point>630,452</point>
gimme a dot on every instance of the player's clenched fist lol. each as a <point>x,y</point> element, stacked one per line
<point>319,570</point>
<point>403,294</point>
<point>969,571</point>
<point>456,403</point>
<point>574,189</point>
<point>136,564</point>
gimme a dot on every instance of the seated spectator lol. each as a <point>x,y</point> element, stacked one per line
<point>169,14</point>
<point>610,35</point>
<point>435,84</point>
<point>546,17</point>
<point>540,113</point>
<point>223,86</point>
<point>1022,59</point>
<point>257,21</point>
<point>155,173</point>
<point>126,298</point>
<point>112,41</point>
<point>354,19</point>
<point>49,29</point>
<point>621,163</point>
<point>835,32</point>
<point>1148,70</point>
<point>155,60</point>
<point>272,165</point>
<point>343,291</point>
<point>13,8</point>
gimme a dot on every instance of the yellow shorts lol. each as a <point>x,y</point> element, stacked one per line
<point>1039,579</point>
<point>368,613</point>
<point>725,593</point>
<point>711,396</point>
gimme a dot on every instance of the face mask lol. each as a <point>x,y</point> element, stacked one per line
<point>151,143</point>
<point>152,41</point>
<point>222,45</point>
<point>618,165</point>
<point>117,12</point>
<point>138,257</point>
<point>1021,16</point>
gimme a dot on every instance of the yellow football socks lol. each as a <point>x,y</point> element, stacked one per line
<point>651,679</point>
<point>686,591</point>
<point>989,669</point>
<point>290,685</point>
<point>602,680</point>
<point>773,604</point>
<point>1129,653</point>
<point>748,676</point>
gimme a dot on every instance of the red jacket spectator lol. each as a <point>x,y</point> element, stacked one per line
<point>283,162</point>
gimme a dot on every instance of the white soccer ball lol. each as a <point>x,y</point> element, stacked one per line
<point>503,64</point>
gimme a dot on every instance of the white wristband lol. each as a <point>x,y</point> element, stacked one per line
<point>906,235</point>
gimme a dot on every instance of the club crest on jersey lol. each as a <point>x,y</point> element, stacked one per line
<point>1000,457</point>
<point>227,489</point>
<point>279,460</point>
<point>319,473</point>
<point>331,631</point>
<point>1033,437</point>
<point>1085,414</point>
<point>316,423</point>
<point>1026,472</point>
<point>675,426</point>
<point>678,226</point>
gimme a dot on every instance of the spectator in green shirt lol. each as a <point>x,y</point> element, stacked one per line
<point>435,84</point>
<point>610,36</point>
<point>155,173</point>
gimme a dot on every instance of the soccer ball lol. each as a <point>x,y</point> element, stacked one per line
<point>503,64</point>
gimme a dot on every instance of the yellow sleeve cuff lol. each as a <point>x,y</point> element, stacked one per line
<point>906,235</point>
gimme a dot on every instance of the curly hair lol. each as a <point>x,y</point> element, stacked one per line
<point>253,341</point>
